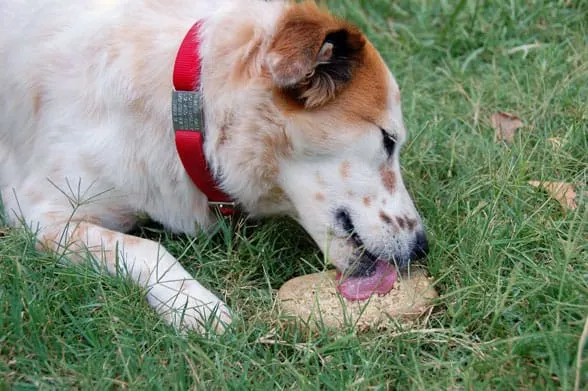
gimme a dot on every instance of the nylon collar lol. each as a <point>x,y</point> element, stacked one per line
<point>188,121</point>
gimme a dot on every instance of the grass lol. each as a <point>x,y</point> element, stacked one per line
<point>509,262</point>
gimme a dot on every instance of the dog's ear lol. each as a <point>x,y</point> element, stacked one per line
<point>312,55</point>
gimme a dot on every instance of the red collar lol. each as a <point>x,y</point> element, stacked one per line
<point>188,121</point>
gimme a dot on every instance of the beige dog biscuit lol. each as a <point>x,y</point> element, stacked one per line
<point>314,300</point>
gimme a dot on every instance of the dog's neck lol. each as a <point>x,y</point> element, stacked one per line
<point>235,92</point>
<point>242,122</point>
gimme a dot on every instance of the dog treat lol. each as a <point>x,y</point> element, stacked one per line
<point>317,299</point>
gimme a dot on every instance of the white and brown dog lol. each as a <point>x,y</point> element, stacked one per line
<point>301,118</point>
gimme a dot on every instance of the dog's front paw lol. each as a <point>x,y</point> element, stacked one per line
<point>200,317</point>
<point>187,305</point>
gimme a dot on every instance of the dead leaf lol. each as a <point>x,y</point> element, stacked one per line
<point>504,125</point>
<point>555,143</point>
<point>563,192</point>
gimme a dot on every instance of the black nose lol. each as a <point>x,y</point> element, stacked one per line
<point>420,248</point>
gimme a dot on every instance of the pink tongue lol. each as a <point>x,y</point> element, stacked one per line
<point>360,288</point>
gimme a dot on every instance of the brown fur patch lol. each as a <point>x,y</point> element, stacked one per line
<point>274,196</point>
<point>241,37</point>
<point>138,107</point>
<point>388,178</point>
<point>72,236</point>
<point>237,56</point>
<point>389,221</point>
<point>319,179</point>
<point>363,97</point>
<point>222,137</point>
<point>366,96</point>
<point>363,100</point>
<point>367,201</point>
<point>245,47</point>
<point>270,168</point>
<point>37,102</point>
<point>297,51</point>
<point>274,145</point>
<point>344,169</point>
<point>319,197</point>
<point>224,128</point>
<point>411,223</point>
<point>401,222</point>
<point>385,218</point>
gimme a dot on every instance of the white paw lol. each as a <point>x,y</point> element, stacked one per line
<point>187,305</point>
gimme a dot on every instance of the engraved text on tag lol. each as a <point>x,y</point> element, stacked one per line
<point>186,110</point>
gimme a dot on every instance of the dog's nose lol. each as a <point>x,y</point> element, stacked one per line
<point>420,248</point>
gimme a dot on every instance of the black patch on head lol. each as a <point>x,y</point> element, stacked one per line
<point>327,78</point>
<point>346,49</point>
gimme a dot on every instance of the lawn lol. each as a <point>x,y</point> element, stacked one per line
<point>508,260</point>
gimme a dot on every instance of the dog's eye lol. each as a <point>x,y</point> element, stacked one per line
<point>389,142</point>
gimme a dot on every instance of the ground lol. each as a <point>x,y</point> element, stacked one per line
<point>509,261</point>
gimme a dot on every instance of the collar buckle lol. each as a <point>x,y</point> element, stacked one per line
<point>224,208</point>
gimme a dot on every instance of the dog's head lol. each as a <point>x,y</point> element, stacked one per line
<point>332,133</point>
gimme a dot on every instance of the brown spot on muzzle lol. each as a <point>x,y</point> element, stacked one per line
<point>388,220</point>
<point>385,218</point>
<point>367,200</point>
<point>344,169</point>
<point>388,178</point>
<point>401,222</point>
<point>37,99</point>
<point>319,197</point>
<point>412,223</point>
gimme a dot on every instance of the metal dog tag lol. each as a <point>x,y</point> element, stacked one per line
<point>187,110</point>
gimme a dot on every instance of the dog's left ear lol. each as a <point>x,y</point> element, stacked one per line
<point>312,55</point>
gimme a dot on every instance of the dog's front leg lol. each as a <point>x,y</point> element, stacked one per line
<point>179,298</point>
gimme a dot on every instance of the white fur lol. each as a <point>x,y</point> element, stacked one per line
<point>86,141</point>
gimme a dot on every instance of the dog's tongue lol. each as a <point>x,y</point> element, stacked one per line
<point>360,288</point>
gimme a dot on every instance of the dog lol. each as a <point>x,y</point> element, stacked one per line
<point>298,116</point>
